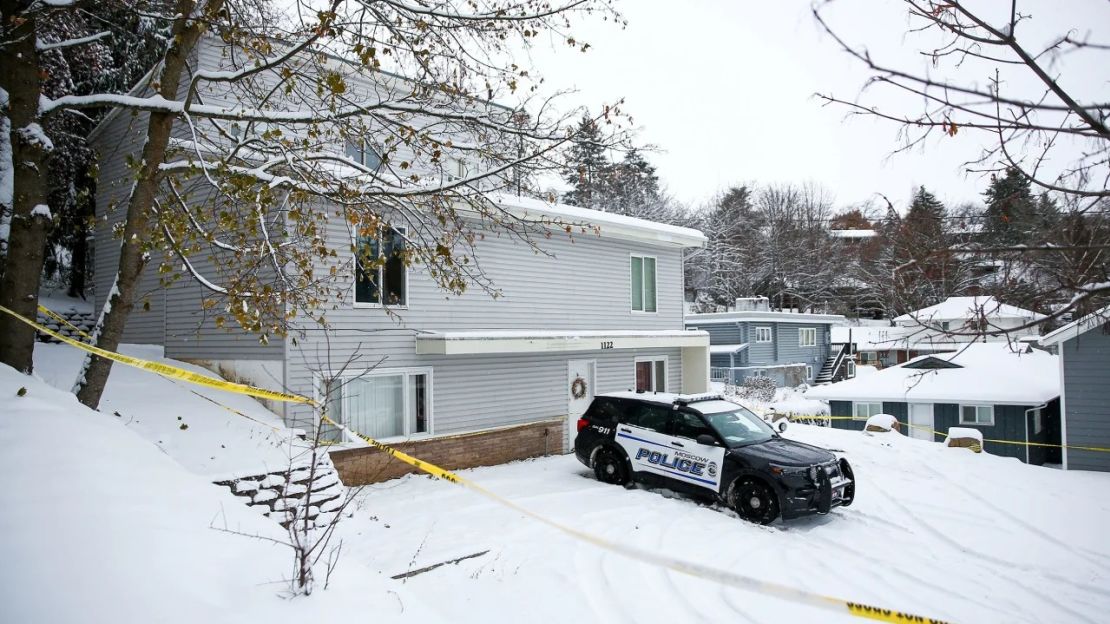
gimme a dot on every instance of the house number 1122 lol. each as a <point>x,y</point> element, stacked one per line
<point>606,344</point>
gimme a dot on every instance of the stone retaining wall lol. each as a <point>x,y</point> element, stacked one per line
<point>282,495</point>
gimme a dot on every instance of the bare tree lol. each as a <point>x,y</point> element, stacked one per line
<point>379,115</point>
<point>981,76</point>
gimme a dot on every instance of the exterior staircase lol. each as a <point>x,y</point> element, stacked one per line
<point>837,367</point>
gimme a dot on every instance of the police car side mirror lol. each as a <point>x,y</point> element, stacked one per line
<point>706,440</point>
<point>781,425</point>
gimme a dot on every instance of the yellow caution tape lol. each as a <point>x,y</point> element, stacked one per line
<point>61,319</point>
<point>677,565</point>
<point>165,370</point>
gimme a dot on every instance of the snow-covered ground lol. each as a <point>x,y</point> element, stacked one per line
<point>103,524</point>
<point>180,418</point>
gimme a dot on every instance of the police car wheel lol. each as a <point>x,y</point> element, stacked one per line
<point>754,501</point>
<point>609,467</point>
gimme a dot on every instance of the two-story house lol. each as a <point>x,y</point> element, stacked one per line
<point>461,380</point>
<point>754,341</point>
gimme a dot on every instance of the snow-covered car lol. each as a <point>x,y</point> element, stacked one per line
<point>707,447</point>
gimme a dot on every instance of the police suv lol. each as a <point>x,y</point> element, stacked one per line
<point>708,447</point>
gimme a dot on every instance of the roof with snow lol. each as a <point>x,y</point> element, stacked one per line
<point>727,349</point>
<point>995,373</point>
<point>885,338</point>
<point>609,224</point>
<point>1077,327</point>
<point>969,307</point>
<point>853,233</point>
<point>766,316</point>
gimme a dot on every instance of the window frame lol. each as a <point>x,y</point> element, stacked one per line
<point>977,407</point>
<point>643,296</point>
<point>855,409</point>
<point>654,359</point>
<point>759,331</point>
<point>807,331</point>
<point>809,372</point>
<point>408,372</point>
<point>362,147</point>
<point>403,231</point>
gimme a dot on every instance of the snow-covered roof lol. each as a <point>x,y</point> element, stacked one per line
<point>609,224</point>
<point>853,233</point>
<point>969,307</point>
<point>990,372</point>
<point>711,318</point>
<point>1077,327</point>
<point>885,338</point>
<point>727,348</point>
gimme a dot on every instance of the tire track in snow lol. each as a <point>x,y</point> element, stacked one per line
<point>962,551</point>
<point>1046,536</point>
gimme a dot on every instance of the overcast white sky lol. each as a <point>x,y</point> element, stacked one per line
<point>725,89</point>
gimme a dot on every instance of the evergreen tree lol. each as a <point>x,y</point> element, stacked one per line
<point>589,167</point>
<point>633,186</point>
<point>1011,210</point>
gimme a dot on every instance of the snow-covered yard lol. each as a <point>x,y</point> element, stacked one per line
<point>105,524</point>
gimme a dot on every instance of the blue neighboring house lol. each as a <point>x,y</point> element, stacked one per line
<point>1084,350</point>
<point>1009,392</point>
<point>789,347</point>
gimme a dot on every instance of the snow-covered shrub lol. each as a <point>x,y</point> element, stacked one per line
<point>881,423</point>
<point>758,389</point>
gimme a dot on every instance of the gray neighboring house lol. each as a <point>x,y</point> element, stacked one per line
<point>789,347</point>
<point>462,380</point>
<point>1084,349</point>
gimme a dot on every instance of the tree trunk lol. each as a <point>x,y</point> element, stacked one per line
<point>19,285</point>
<point>133,257</point>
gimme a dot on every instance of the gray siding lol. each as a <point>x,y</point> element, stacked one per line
<point>784,348</point>
<point>1086,401</point>
<point>579,284</point>
<point>121,140</point>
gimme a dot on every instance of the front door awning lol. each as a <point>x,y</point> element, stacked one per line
<point>536,341</point>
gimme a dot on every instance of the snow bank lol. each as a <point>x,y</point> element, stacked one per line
<point>214,442</point>
<point>100,525</point>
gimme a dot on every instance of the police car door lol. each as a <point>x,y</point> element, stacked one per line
<point>643,436</point>
<point>697,464</point>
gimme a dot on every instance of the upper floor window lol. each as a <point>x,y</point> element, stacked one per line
<point>763,334</point>
<point>643,284</point>
<point>456,170</point>
<point>364,154</point>
<point>381,277</point>
<point>807,337</point>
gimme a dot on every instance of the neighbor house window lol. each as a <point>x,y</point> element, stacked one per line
<point>643,284</point>
<point>389,403</point>
<point>809,372</point>
<point>807,337</point>
<point>763,334</point>
<point>381,277</point>
<point>863,411</point>
<point>977,415</point>
<point>651,374</point>
<point>362,153</point>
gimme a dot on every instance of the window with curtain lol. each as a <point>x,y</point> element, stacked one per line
<point>387,404</point>
<point>807,337</point>
<point>643,284</point>
<point>381,277</point>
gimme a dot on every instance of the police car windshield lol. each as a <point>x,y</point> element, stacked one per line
<point>740,427</point>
